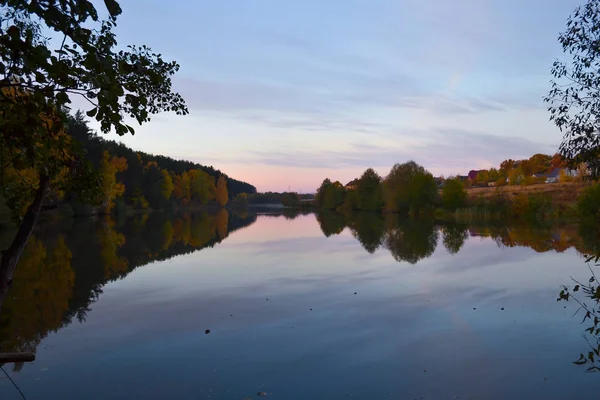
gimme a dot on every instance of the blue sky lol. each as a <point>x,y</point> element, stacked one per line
<point>285,93</point>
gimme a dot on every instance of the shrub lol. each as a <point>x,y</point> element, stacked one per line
<point>588,204</point>
<point>454,195</point>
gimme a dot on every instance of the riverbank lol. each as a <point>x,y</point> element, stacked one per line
<point>565,193</point>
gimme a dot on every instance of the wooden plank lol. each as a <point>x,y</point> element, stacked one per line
<point>16,357</point>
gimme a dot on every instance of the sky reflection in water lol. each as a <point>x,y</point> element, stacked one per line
<point>299,315</point>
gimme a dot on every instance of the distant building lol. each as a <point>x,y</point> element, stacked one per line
<point>352,185</point>
<point>553,176</point>
<point>473,174</point>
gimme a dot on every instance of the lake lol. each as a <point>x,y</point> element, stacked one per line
<point>296,306</point>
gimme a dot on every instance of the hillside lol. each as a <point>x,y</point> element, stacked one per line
<point>561,193</point>
<point>96,145</point>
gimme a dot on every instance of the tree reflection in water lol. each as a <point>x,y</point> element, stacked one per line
<point>64,269</point>
<point>60,275</point>
<point>586,294</point>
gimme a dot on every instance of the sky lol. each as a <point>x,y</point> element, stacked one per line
<point>283,94</point>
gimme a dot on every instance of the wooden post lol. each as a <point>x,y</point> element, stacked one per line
<point>16,357</point>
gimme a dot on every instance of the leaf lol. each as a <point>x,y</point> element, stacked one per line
<point>91,113</point>
<point>114,9</point>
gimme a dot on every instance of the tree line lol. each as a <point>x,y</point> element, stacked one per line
<point>125,178</point>
<point>408,188</point>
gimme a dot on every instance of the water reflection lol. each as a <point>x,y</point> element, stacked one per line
<point>64,269</point>
<point>586,295</point>
<point>454,237</point>
<point>411,240</point>
<point>60,275</point>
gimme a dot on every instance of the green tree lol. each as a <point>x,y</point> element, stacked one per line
<point>321,191</point>
<point>454,195</point>
<point>369,191</point>
<point>588,203</point>
<point>423,192</point>
<point>574,98</point>
<point>221,191</point>
<point>152,187</point>
<point>409,187</point>
<point>290,199</point>
<point>330,195</point>
<point>38,82</point>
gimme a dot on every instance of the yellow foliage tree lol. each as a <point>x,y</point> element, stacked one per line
<point>166,184</point>
<point>222,195</point>
<point>202,186</point>
<point>109,187</point>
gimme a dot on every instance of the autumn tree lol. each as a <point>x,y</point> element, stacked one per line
<point>166,184</point>
<point>515,176</point>
<point>202,186</point>
<point>110,189</point>
<point>38,82</point>
<point>221,194</point>
<point>493,175</point>
<point>557,161</point>
<point>181,186</point>
<point>483,177</point>
<point>507,165</point>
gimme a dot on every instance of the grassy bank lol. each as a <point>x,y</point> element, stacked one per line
<point>561,193</point>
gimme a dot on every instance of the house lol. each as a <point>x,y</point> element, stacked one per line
<point>473,174</point>
<point>352,185</point>
<point>462,178</point>
<point>552,176</point>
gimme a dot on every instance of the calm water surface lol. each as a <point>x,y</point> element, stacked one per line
<point>298,307</point>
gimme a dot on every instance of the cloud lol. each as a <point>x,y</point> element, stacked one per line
<point>438,150</point>
<point>359,107</point>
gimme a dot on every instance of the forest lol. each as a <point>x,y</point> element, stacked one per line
<point>125,178</point>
